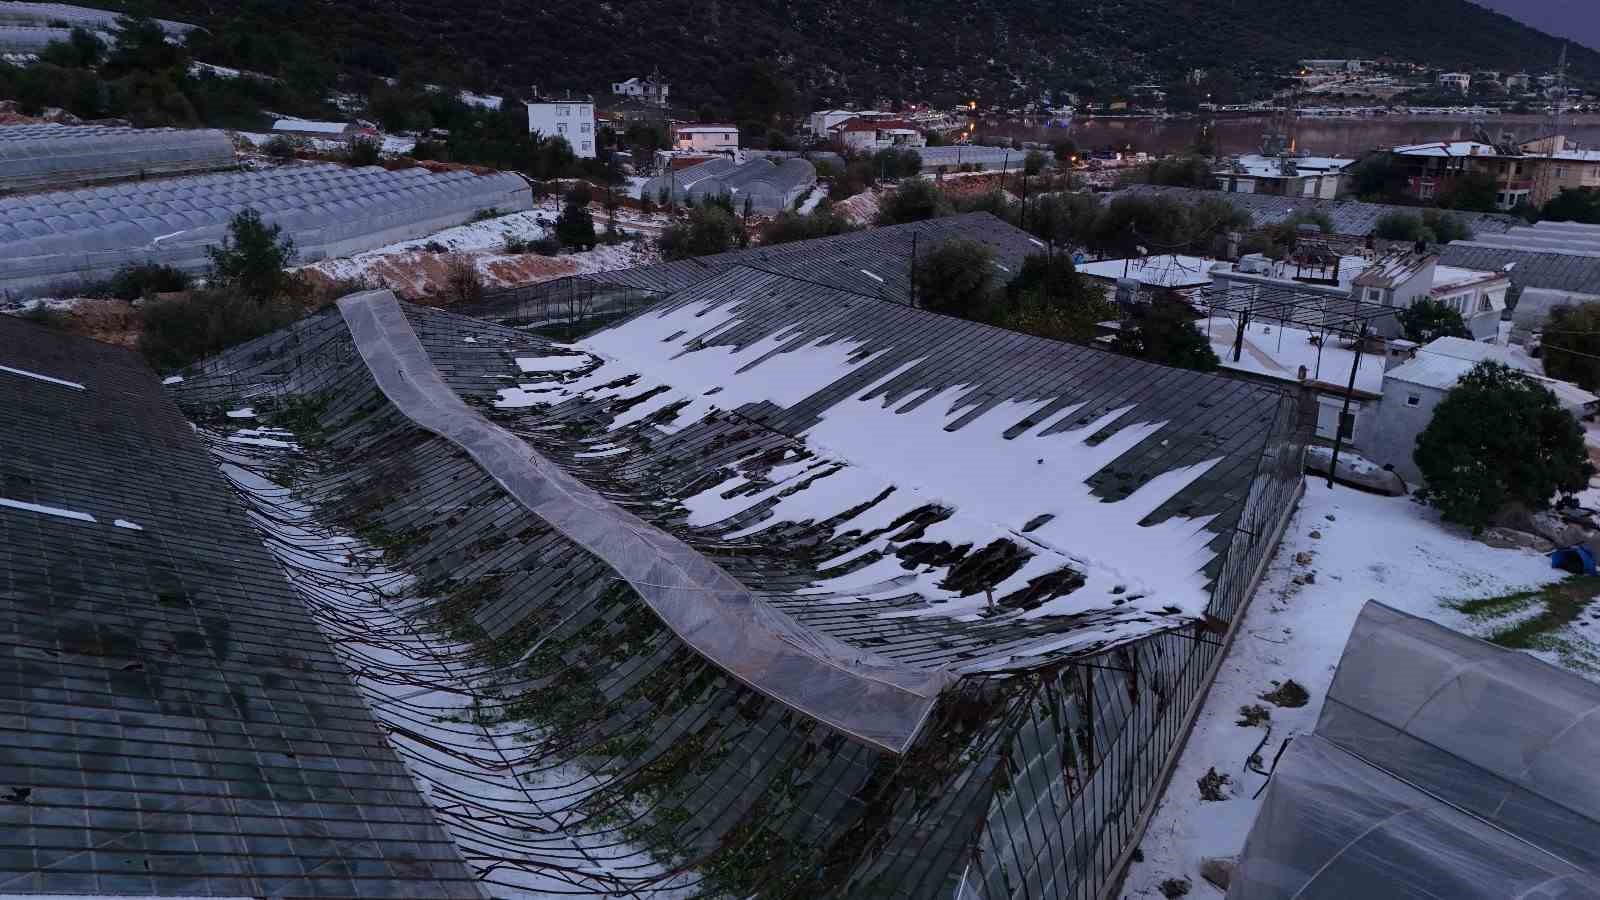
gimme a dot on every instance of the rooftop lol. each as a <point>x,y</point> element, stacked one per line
<point>1442,362</point>
<point>1259,166</point>
<point>1279,351</point>
<point>175,721</point>
<point>1349,217</point>
<point>1173,271</point>
<point>1448,148</point>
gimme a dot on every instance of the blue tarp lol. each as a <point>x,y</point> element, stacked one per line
<point>1577,559</point>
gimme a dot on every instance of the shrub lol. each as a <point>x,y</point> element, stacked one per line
<point>253,258</point>
<point>789,226</point>
<point>180,331</point>
<point>1034,162</point>
<point>134,282</point>
<point>953,278</point>
<point>1499,437</point>
<point>282,147</point>
<point>709,230</point>
<point>364,152</point>
<point>463,284</point>
<point>1428,319</point>
<point>1164,332</point>
<point>914,201</point>
<point>575,225</point>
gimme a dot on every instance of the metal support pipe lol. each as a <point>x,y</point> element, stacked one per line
<point>1344,410</point>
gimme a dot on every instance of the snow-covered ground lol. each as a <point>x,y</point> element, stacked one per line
<point>1343,548</point>
<point>814,198</point>
<point>391,144</point>
<point>415,267</point>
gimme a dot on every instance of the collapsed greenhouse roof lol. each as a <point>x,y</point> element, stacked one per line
<point>1441,766</point>
<point>171,720</point>
<point>54,240</point>
<point>36,157</point>
<point>631,738</point>
<point>768,186</point>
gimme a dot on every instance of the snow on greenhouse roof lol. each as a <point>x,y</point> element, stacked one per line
<point>922,409</point>
<point>23,13</point>
<point>1454,767</point>
<point>36,157</point>
<point>175,723</point>
<point>47,240</point>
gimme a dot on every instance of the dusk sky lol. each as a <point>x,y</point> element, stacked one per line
<point>1575,19</point>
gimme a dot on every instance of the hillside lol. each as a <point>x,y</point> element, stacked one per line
<point>841,50</point>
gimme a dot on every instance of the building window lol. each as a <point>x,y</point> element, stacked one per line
<point>563,110</point>
<point>1413,400</point>
<point>1375,294</point>
<point>561,128</point>
<point>587,147</point>
<point>583,127</point>
<point>1425,190</point>
<point>1347,425</point>
<point>1561,171</point>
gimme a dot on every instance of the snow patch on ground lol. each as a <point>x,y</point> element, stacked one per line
<point>45,510</point>
<point>814,198</point>
<point>1355,547</point>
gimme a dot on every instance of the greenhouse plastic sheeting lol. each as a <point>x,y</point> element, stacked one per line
<point>34,157</point>
<point>51,241</point>
<point>867,696</point>
<point>1333,827</point>
<point>1505,742</point>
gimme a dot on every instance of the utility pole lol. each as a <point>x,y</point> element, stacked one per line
<point>1344,409</point>
<point>914,236</point>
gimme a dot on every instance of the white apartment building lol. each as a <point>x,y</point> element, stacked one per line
<point>570,119</point>
<point>1458,80</point>
<point>706,138</point>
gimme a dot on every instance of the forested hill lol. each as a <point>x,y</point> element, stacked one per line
<point>856,50</point>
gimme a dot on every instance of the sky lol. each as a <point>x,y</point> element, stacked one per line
<point>1578,20</point>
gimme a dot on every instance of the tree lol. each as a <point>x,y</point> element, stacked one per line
<point>792,226</point>
<point>363,152</point>
<point>1571,345</point>
<point>575,225</point>
<point>1034,162</point>
<point>1474,192</point>
<point>463,284</point>
<point>1376,178</point>
<point>1499,437</point>
<point>709,230</point>
<point>1066,220</point>
<point>953,278</point>
<point>1573,205</point>
<point>253,258</point>
<point>142,47</point>
<point>1446,227</point>
<point>1398,226</point>
<point>1426,320</point>
<point>914,201</point>
<point>1048,298</point>
<point>1164,332</point>
<point>1189,171</point>
<point>81,50</point>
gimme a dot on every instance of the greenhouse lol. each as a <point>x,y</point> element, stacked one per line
<point>1441,766</point>
<point>49,156</point>
<point>770,187</point>
<point>970,157</point>
<point>741,596</point>
<point>65,17</point>
<point>59,240</point>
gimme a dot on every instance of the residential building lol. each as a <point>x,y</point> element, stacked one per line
<point>651,89</point>
<point>1414,387</point>
<point>1459,81</point>
<point>821,123</point>
<point>1518,83</point>
<point>1319,177</point>
<point>1531,172</point>
<point>1167,273</point>
<point>706,138</point>
<point>572,119</point>
<point>864,135</point>
<point>1550,264</point>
